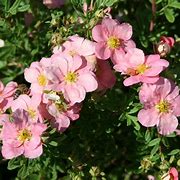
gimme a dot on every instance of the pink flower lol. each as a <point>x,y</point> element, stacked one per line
<point>105,76</point>
<point>36,75</point>
<point>161,103</point>
<point>140,68</point>
<point>112,39</point>
<point>77,46</point>
<point>21,137</point>
<point>61,111</point>
<point>52,4</point>
<point>30,105</point>
<point>6,95</point>
<point>171,175</point>
<point>72,76</point>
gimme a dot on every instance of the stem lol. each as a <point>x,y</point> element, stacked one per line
<point>152,23</point>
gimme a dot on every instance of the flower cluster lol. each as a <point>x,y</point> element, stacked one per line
<point>159,96</point>
<point>59,84</point>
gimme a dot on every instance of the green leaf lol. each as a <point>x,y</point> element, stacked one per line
<point>14,7</point>
<point>14,163</point>
<point>173,152</point>
<point>23,173</point>
<point>3,64</point>
<point>147,135</point>
<point>53,143</point>
<point>175,5</point>
<point>134,120</point>
<point>154,149</point>
<point>105,3</point>
<point>23,8</point>
<point>169,13</point>
<point>154,142</point>
<point>6,4</point>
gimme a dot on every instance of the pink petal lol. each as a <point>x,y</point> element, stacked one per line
<point>176,105</point>
<point>87,48</point>
<point>167,124</point>
<point>129,45</point>
<point>154,60</point>
<point>148,117</point>
<point>153,71</point>
<point>63,122</point>
<point>88,81</point>
<point>36,89</point>
<point>108,26</point>
<point>38,128</point>
<point>21,102</point>
<point>33,153</point>
<point>9,151</point>
<point>75,93</point>
<point>118,56</point>
<point>174,173</point>
<point>33,143</point>
<point>174,92</point>
<point>123,31</point>
<point>46,62</point>
<point>146,79</point>
<point>131,80</point>
<point>102,51</point>
<point>146,93</point>
<point>98,34</point>
<point>75,63</point>
<point>135,57</point>
<point>164,86</point>
<point>9,131</point>
<point>31,74</point>
<point>9,89</point>
<point>61,63</point>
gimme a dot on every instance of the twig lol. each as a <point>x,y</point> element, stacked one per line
<point>152,23</point>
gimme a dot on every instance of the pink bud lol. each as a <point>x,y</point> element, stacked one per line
<point>169,40</point>
<point>173,173</point>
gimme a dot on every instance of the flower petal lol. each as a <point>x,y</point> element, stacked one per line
<point>131,80</point>
<point>102,51</point>
<point>88,81</point>
<point>98,34</point>
<point>167,124</point>
<point>123,31</point>
<point>148,117</point>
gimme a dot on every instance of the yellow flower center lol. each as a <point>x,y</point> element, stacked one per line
<point>42,80</point>
<point>113,42</point>
<point>24,135</point>
<point>141,68</point>
<point>71,77</point>
<point>163,106</point>
<point>72,53</point>
<point>32,113</point>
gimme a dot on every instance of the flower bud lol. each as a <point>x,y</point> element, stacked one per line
<point>164,46</point>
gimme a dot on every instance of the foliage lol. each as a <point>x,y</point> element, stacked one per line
<point>107,141</point>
